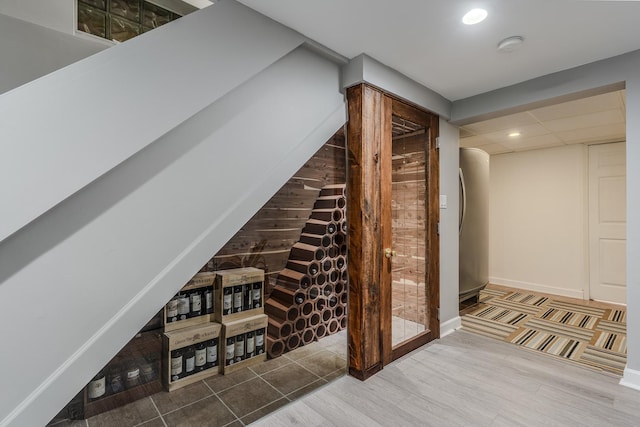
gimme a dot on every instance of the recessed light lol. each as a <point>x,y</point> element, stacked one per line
<point>514,134</point>
<point>474,16</point>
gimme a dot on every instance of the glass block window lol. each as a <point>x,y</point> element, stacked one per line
<point>121,20</point>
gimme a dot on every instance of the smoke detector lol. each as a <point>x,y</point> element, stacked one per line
<point>510,44</point>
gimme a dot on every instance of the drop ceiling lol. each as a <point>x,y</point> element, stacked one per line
<point>597,119</point>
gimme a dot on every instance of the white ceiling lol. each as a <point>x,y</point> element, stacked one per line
<point>426,40</point>
<point>597,119</point>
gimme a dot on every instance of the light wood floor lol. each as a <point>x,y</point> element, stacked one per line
<point>468,380</point>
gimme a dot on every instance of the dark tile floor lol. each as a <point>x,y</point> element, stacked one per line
<point>237,399</point>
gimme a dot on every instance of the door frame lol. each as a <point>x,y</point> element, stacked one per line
<point>368,139</point>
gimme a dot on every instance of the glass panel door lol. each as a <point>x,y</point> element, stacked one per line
<point>408,249</point>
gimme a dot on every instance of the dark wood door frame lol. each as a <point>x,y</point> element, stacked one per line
<point>368,139</point>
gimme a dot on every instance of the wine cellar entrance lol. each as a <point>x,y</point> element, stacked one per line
<point>392,195</point>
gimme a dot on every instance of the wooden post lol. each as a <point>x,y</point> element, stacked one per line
<point>368,112</point>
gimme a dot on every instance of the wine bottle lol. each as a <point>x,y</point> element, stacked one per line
<point>247,297</point>
<point>172,310</point>
<point>237,299</point>
<point>257,295</point>
<point>132,374</point>
<point>189,361</point>
<point>250,344</point>
<point>97,387</point>
<point>208,300</point>
<point>212,353</point>
<point>260,341</point>
<point>114,377</point>
<point>201,356</point>
<point>183,306</point>
<point>239,350</point>
<point>177,371</point>
<point>195,299</point>
<point>230,351</point>
<point>227,300</point>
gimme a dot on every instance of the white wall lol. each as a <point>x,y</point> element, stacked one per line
<point>123,99</point>
<point>616,72</point>
<point>449,240</point>
<point>363,68</point>
<point>632,371</point>
<point>29,51</point>
<point>538,220</point>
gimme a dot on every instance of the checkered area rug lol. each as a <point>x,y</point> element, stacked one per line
<point>589,336</point>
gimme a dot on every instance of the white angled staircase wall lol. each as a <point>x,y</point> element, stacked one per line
<point>117,102</point>
<point>112,207</point>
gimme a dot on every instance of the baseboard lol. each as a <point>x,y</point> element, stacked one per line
<point>450,326</point>
<point>536,287</point>
<point>631,379</point>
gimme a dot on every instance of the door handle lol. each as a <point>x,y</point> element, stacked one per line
<point>389,253</point>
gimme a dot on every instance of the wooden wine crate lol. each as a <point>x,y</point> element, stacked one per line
<point>239,327</point>
<point>184,338</point>
<point>244,277</point>
<point>200,280</point>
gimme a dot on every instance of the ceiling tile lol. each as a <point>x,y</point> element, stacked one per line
<point>465,133</point>
<point>592,104</point>
<point>501,123</point>
<point>585,121</point>
<point>526,131</point>
<point>496,149</point>
<point>548,140</point>
<point>474,141</point>
<point>605,133</point>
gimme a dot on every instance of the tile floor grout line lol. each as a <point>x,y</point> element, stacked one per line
<point>305,368</point>
<point>187,405</point>
<point>271,385</point>
<point>300,388</point>
<point>209,387</point>
<point>264,406</point>
<point>236,384</point>
<point>157,409</point>
<point>229,409</point>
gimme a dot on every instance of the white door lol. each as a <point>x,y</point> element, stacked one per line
<point>607,223</point>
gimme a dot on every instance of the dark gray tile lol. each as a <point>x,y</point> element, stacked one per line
<point>256,415</point>
<point>306,389</point>
<point>305,351</point>
<point>128,415</point>
<point>235,423</point>
<point>323,362</point>
<point>290,378</point>
<point>156,422</point>
<point>170,401</point>
<point>271,365</point>
<point>249,396</point>
<point>223,382</point>
<point>209,412</point>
